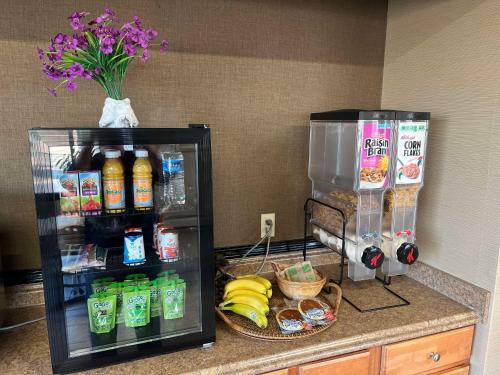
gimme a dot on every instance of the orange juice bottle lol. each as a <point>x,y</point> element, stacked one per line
<point>143,181</point>
<point>113,182</point>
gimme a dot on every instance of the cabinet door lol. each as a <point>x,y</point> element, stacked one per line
<point>428,354</point>
<point>352,364</point>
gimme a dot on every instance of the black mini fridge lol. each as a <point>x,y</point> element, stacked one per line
<point>127,254</point>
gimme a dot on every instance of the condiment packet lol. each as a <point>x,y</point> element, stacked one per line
<point>301,272</point>
<point>315,311</point>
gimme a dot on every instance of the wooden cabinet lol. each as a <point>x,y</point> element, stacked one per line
<point>361,363</point>
<point>445,353</point>
<point>428,355</point>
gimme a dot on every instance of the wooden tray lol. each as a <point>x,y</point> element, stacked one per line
<point>248,328</point>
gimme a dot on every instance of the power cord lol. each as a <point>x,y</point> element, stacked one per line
<point>9,328</point>
<point>267,236</point>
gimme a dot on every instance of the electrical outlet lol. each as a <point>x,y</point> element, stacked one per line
<point>263,225</point>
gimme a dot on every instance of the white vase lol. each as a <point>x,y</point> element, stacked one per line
<point>118,114</point>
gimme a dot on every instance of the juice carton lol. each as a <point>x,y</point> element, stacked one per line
<point>69,194</point>
<point>90,193</point>
<point>136,305</point>
<point>102,311</point>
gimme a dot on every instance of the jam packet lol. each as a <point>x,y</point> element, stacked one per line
<point>291,320</point>
<point>315,311</point>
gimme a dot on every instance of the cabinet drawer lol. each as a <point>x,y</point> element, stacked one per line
<point>464,370</point>
<point>278,372</point>
<point>353,364</point>
<point>414,356</point>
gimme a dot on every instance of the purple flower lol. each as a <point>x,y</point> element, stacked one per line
<point>138,22</point>
<point>59,38</point>
<point>51,91</point>
<point>107,49</point>
<point>70,86</point>
<point>145,55</point>
<point>98,71</point>
<point>87,75</point>
<point>52,72</point>
<point>129,49</point>
<point>151,34</point>
<point>74,20</point>
<point>72,44</point>
<point>41,55</point>
<point>163,46</point>
<point>77,69</point>
<point>143,41</point>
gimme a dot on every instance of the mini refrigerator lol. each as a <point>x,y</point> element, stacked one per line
<point>131,276</point>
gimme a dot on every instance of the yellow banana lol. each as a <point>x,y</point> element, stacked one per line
<point>244,284</point>
<point>259,279</point>
<point>247,292</point>
<point>248,312</point>
<point>269,293</point>
<point>247,300</point>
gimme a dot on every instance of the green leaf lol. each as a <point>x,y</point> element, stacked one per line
<point>91,39</point>
<point>122,61</point>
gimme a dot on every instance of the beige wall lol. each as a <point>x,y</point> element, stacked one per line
<point>252,69</point>
<point>444,57</point>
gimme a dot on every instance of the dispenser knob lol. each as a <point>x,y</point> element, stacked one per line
<point>372,257</point>
<point>407,253</point>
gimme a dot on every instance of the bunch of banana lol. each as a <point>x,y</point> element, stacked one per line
<point>248,296</point>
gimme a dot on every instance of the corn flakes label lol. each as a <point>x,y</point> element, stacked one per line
<point>412,137</point>
<point>375,150</point>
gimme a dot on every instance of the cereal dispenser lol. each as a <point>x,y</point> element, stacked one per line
<point>349,163</point>
<point>400,202</point>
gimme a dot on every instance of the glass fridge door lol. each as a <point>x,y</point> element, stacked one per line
<point>128,231</point>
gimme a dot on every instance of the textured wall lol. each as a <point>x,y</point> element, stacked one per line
<point>443,57</point>
<point>252,69</point>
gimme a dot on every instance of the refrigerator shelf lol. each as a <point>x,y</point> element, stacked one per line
<point>115,265</point>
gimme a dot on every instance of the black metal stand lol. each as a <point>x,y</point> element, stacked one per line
<point>387,279</point>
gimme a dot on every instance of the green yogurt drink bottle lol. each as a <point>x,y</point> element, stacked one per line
<point>137,279</point>
<point>102,311</point>
<point>100,285</point>
<point>136,305</point>
<point>155,298</point>
<point>173,293</point>
<point>119,303</point>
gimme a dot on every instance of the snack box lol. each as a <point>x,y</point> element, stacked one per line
<point>69,194</point>
<point>90,193</point>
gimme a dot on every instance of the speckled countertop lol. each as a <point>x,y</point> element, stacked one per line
<point>26,350</point>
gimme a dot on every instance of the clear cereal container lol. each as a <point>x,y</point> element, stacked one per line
<point>349,165</point>
<point>400,201</point>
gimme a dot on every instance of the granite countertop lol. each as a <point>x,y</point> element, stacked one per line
<point>26,350</point>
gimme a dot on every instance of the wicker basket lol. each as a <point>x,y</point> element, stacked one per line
<point>298,290</point>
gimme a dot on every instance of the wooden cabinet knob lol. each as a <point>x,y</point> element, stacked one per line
<point>435,356</point>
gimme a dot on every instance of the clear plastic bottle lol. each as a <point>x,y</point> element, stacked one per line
<point>174,193</point>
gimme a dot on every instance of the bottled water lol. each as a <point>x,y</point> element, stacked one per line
<point>174,193</point>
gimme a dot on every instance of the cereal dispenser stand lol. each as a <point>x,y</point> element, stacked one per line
<point>349,162</point>
<point>400,203</point>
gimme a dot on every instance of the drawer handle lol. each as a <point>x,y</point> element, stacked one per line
<point>435,356</point>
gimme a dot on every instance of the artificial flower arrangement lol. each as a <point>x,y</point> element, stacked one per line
<point>98,50</point>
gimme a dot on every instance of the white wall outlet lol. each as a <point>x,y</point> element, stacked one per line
<point>263,225</point>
